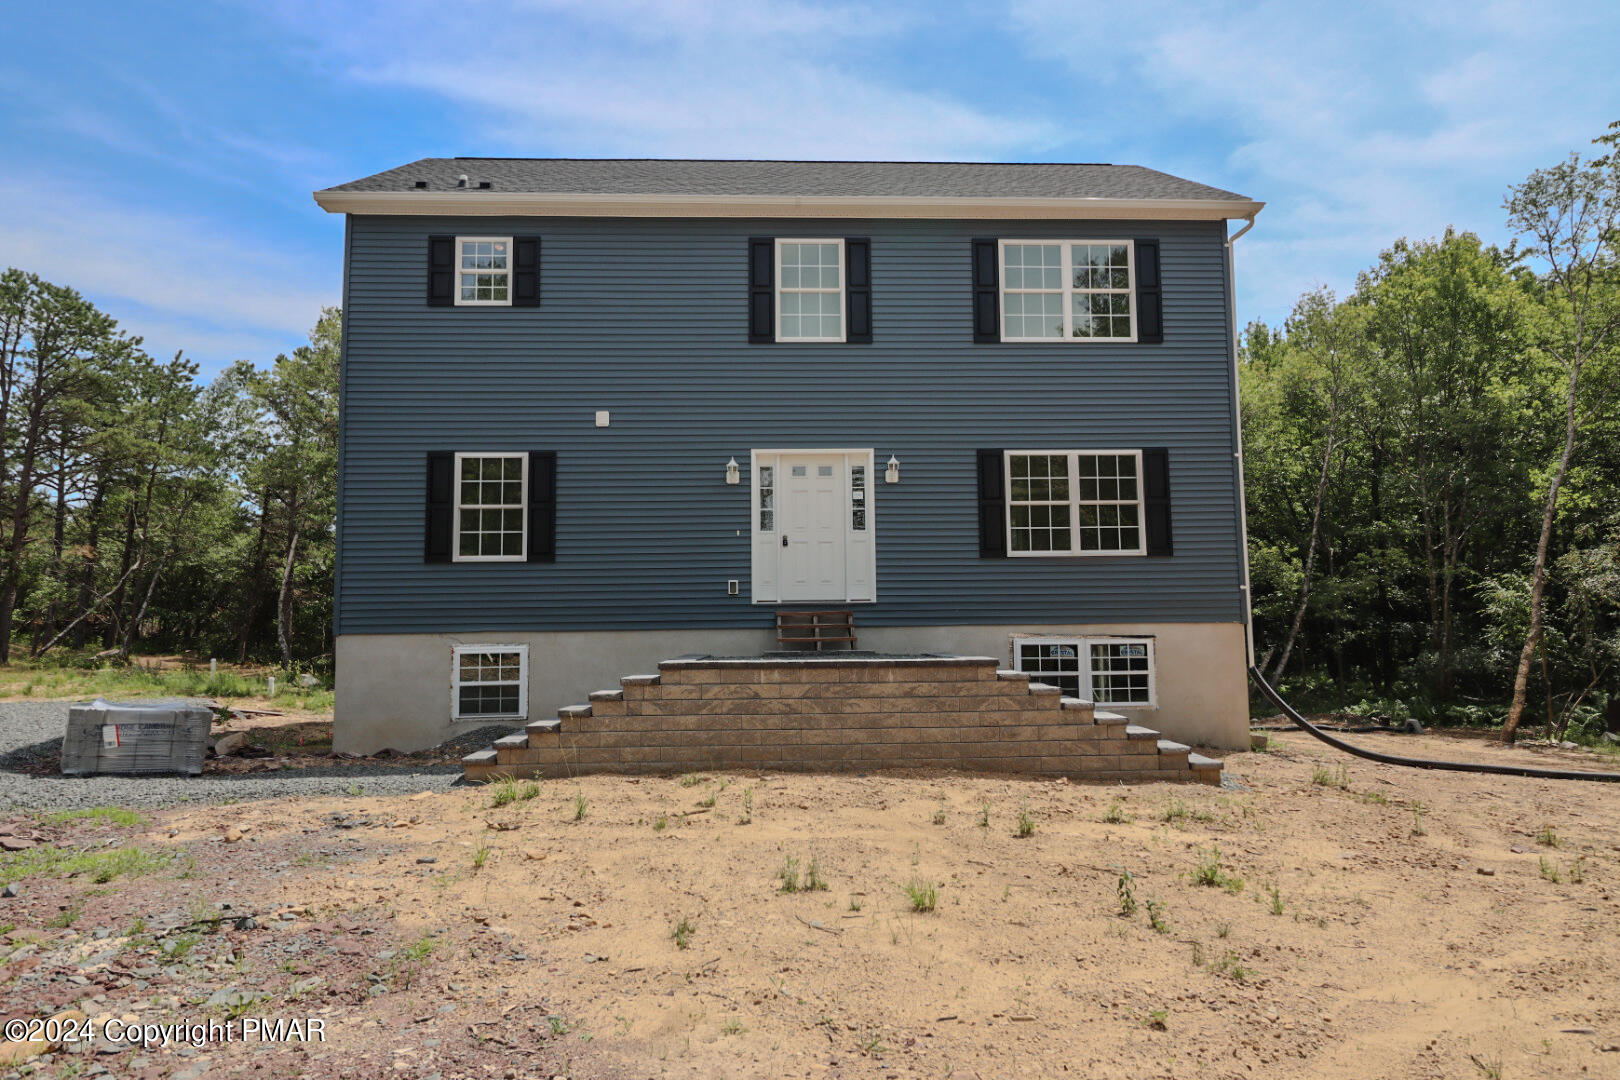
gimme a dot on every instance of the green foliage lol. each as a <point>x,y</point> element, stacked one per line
<point>104,815</point>
<point>1125,890</point>
<point>923,895</point>
<point>162,514</point>
<point>1212,873</point>
<point>1026,824</point>
<point>1401,445</point>
<point>100,865</point>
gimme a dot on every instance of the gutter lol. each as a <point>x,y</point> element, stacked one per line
<point>540,204</point>
<point>1237,452</point>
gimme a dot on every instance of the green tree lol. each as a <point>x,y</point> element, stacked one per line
<point>1569,218</point>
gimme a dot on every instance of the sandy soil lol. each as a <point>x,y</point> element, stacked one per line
<point>1403,925</point>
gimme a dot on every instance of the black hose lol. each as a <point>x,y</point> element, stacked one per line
<point>1423,763</point>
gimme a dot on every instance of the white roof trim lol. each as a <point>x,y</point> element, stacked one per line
<point>528,204</point>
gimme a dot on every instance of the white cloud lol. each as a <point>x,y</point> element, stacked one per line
<point>1357,124</point>
<point>729,78</point>
<point>191,285</point>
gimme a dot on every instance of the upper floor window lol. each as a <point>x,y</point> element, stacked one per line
<point>483,270</point>
<point>491,508</point>
<point>1074,502</point>
<point>1054,290</point>
<point>810,290</point>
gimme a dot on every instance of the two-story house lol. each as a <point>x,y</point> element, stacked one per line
<point>601,413</point>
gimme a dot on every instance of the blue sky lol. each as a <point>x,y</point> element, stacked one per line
<point>159,156</point>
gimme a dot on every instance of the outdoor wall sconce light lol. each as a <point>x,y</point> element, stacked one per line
<point>733,473</point>
<point>891,471</point>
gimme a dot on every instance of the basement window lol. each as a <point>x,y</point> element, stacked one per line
<point>1113,671</point>
<point>490,682</point>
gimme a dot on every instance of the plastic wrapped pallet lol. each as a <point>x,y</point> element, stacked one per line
<point>134,738</point>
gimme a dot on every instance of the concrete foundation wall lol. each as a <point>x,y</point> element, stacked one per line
<point>393,690</point>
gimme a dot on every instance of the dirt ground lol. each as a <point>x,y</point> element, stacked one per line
<point>1373,922</point>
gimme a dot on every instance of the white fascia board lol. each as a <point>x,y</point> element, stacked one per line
<point>524,204</point>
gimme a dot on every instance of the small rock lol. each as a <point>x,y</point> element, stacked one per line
<point>426,860</point>
<point>9,892</point>
<point>1484,871</point>
<point>232,835</point>
<point>230,743</point>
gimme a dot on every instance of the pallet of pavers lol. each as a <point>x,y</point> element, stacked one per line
<point>135,738</point>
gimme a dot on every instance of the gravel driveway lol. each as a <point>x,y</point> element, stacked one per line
<point>32,729</point>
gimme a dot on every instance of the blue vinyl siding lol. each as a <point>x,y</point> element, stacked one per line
<point>648,319</point>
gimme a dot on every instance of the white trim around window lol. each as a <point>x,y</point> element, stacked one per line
<point>483,271</point>
<point>1082,503</point>
<point>496,681</point>
<point>485,511</point>
<point>1118,672</point>
<point>1071,290</point>
<point>810,291</point>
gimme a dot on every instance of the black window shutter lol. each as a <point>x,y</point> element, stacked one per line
<point>441,507</point>
<point>526,271</point>
<point>1156,500</point>
<point>858,289</point>
<point>1149,294</point>
<point>441,276</point>
<point>543,506</point>
<point>761,298</point>
<point>992,505</point>
<point>986,301</point>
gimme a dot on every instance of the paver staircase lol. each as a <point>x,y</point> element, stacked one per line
<point>835,712</point>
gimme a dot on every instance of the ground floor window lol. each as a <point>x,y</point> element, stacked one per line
<point>1106,670</point>
<point>490,681</point>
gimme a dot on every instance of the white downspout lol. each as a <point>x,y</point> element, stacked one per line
<point>1237,429</point>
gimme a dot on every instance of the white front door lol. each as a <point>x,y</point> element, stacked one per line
<point>812,524</point>
<point>811,565</point>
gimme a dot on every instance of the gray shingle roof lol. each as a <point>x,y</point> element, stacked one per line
<point>846,179</point>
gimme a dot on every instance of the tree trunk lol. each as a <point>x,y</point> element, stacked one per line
<point>1310,561</point>
<point>244,633</point>
<point>284,600</point>
<point>19,530</point>
<point>87,576</point>
<point>47,628</point>
<point>114,625</point>
<point>1538,571</point>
